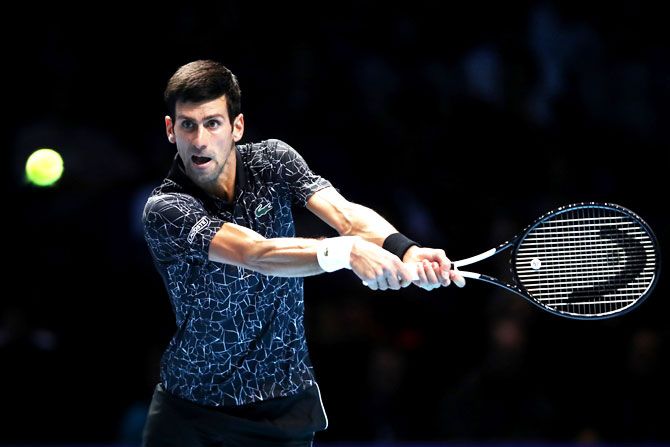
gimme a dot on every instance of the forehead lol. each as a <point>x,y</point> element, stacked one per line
<point>197,110</point>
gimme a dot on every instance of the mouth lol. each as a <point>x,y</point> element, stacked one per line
<point>200,161</point>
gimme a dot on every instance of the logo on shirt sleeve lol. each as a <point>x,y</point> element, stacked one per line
<point>199,225</point>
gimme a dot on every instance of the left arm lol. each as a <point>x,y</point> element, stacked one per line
<point>379,268</point>
<point>348,218</point>
<point>351,219</point>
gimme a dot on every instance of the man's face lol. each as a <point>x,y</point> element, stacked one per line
<point>205,137</point>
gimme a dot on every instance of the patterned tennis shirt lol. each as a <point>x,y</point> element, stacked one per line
<point>240,336</point>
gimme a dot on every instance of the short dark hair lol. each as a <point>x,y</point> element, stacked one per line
<point>201,81</point>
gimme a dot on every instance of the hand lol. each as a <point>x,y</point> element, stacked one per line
<point>379,269</point>
<point>433,267</point>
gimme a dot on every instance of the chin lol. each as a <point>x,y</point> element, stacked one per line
<point>203,177</point>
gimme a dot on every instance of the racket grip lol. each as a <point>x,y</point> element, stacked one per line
<point>464,274</point>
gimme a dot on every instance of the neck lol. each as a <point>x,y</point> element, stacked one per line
<point>224,186</point>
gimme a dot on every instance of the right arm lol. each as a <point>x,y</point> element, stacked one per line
<point>176,225</point>
<point>282,256</point>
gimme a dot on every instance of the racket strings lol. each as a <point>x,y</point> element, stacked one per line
<point>587,261</point>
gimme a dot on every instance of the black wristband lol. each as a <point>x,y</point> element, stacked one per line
<point>398,244</point>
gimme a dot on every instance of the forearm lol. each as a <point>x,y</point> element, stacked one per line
<point>349,218</point>
<point>380,267</point>
<point>367,223</point>
<point>287,257</point>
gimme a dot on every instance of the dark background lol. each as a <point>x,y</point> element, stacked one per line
<point>460,123</point>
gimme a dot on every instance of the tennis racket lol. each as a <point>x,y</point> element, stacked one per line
<point>582,261</point>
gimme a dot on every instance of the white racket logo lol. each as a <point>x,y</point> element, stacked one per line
<point>535,264</point>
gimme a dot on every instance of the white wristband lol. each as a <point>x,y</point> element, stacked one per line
<point>334,253</point>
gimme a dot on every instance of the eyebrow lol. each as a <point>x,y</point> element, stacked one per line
<point>208,117</point>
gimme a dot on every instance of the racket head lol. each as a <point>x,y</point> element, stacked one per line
<point>587,261</point>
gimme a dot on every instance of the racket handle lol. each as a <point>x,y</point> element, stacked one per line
<point>473,259</point>
<point>463,273</point>
<point>466,274</point>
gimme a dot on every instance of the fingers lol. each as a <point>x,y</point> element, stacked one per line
<point>387,281</point>
<point>405,274</point>
<point>444,275</point>
<point>429,275</point>
<point>433,275</point>
<point>441,257</point>
<point>371,284</point>
<point>429,268</point>
<point>443,267</point>
<point>457,278</point>
<point>378,268</point>
<point>421,273</point>
<point>397,276</point>
<point>390,273</point>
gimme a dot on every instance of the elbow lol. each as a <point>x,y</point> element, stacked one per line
<point>249,256</point>
<point>255,258</point>
<point>346,223</point>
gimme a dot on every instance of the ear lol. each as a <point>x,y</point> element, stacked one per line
<point>238,128</point>
<point>169,129</point>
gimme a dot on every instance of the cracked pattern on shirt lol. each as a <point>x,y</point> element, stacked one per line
<point>240,335</point>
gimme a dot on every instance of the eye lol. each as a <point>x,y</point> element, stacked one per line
<point>213,124</point>
<point>187,125</point>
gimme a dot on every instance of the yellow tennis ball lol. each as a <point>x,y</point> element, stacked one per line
<point>44,167</point>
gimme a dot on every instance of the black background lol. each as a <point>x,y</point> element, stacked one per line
<point>460,123</point>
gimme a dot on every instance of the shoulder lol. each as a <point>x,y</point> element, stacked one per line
<point>283,153</point>
<point>156,202</point>
<point>169,204</point>
<point>280,147</point>
<point>268,157</point>
<point>270,148</point>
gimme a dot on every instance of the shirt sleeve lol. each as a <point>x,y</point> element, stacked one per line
<point>293,170</point>
<point>177,226</point>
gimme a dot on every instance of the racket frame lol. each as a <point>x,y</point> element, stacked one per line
<point>514,243</point>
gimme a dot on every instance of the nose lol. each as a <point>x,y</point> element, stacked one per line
<point>200,139</point>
